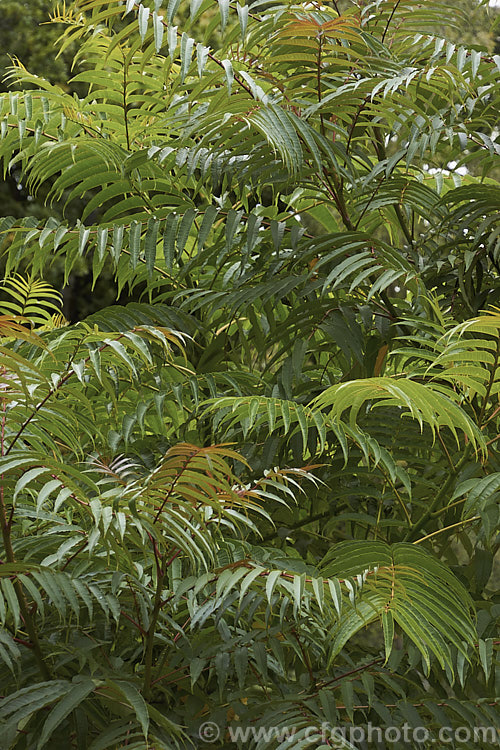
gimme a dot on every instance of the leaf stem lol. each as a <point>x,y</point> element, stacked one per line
<point>125,103</point>
<point>447,528</point>
<point>150,635</point>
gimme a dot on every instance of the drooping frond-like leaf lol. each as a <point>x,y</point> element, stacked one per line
<point>406,585</point>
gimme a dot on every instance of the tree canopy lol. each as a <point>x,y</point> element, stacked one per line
<point>264,495</point>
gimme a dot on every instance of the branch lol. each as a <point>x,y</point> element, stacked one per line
<point>447,528</point>
<point>440,495</point>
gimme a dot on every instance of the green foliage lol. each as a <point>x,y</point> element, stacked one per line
<point>33,300</point>
<point>266,495</point>
<point>23,37</point>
